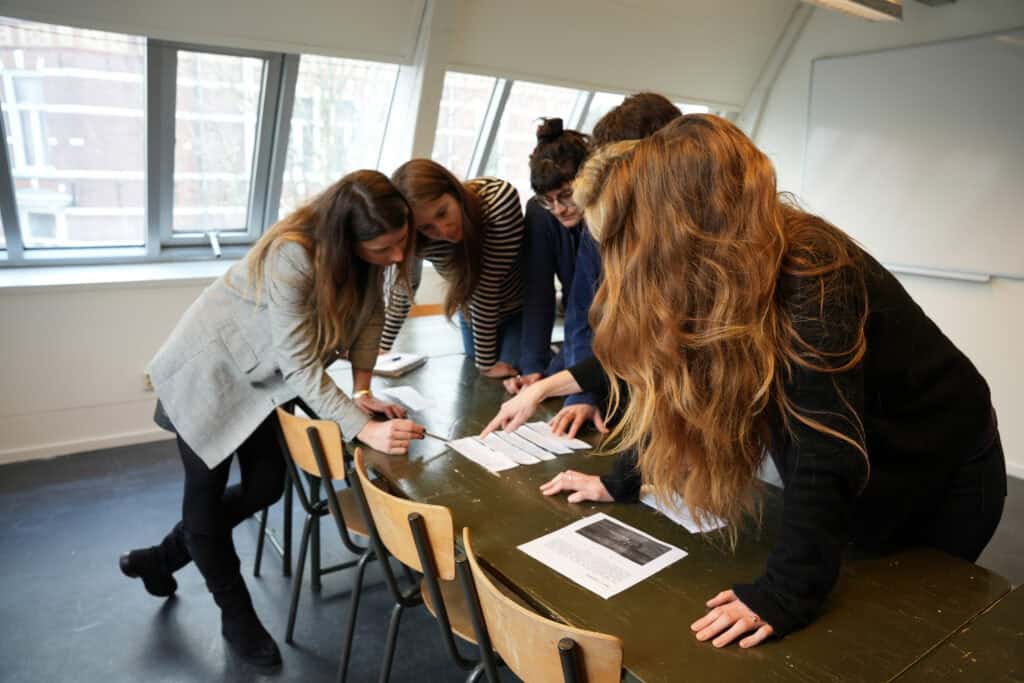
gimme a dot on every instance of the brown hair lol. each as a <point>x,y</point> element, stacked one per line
<point>691,316</point>
<point>636,118</point>
<point>557,157</point>
<point>361,206</point>
<point>423,180</point>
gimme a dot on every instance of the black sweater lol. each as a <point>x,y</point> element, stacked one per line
<point>924,408</point>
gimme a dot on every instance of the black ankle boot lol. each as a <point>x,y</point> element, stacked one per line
<point>242,628</point>
<point>173,550</point>
<point>147,564</point>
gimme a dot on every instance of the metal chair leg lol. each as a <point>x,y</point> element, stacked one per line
<point>389,652</point>
<point>297,580</point>
<point>353,609</point>
<point>286,557</point>
<point>476,673</point>
<point>259,542</point>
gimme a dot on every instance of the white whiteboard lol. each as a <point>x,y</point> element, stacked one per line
<point>918,153</point>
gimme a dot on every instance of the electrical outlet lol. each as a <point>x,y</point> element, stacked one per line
<point>147,383</point>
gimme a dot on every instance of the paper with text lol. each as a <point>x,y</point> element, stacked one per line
<point>680,513</point>
<point>602,554</point>
<point>475,449</point>
<point>545,429</point>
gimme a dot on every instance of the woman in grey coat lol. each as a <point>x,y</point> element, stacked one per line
<point>258,338</point>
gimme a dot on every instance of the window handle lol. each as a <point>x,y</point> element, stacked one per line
<point>214,242</point>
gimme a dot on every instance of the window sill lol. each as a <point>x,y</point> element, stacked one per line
<point>119,275</point>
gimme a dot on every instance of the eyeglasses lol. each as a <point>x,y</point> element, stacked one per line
<point>563,198</point>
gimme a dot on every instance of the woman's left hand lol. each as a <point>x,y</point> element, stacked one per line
<point>369,405</point>
<point>728,619</point>
<point>500,370</point>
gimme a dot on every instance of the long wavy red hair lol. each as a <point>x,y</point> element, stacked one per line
<point>690,316</point>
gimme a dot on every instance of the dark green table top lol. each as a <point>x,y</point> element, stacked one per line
<point>989,648</point>
<point>884,614</point>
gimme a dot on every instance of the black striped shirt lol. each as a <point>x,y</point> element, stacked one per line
<point>499,292</point>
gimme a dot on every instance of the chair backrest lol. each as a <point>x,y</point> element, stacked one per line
<point>529,643</point>
<point>297,438</point>
<point>391,518</point>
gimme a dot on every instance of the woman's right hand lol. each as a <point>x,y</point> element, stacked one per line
<point>391,436</point>
<point>517,410</point>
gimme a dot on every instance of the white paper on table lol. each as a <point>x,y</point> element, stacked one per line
<point>545,429</point>
<point>524,445</point>
<point>679,513</point>
<point>407,396</point>
<point>538,439</point>
<point>602,554</point>
<point>496,443</point>
<point>474,449</point>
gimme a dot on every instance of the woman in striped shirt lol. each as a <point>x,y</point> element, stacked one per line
<point>472,233</point>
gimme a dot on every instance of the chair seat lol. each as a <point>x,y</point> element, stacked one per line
<point>458,610</point>
<point>354,521</point>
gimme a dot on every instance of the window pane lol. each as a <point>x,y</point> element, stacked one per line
<point>692,108</point>
<point>3,237</point>
<point>460,118</point>
<point>602,103</point>
<point>215,118</point>
<point>74,116</point>
<point>517,134</point>
<point>341,110</point>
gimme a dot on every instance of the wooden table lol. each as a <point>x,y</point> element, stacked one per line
<point>884,614</point>
<point>990,648</point>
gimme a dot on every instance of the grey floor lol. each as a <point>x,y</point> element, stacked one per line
<point>67,614</point>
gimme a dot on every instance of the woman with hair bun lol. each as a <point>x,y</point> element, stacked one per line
<point>554,227</point>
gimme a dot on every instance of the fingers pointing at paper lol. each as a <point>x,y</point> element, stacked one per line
<point>583,487</point>
<point>516,411</point>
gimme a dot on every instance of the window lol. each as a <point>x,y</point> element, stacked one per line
<point>337,124</point>
<point>601,104</point>
<point>216,112</point>
<point>517,134</point>
<point>123,148</point>
<point>693,108</point>
<point>74,118</point>
<point>460,120</point>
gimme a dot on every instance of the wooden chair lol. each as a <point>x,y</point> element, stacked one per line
<point>422,537</point>
<point>316,448</point>
<point>534,648</point>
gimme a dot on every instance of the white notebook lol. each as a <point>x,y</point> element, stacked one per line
<point>397,364</point>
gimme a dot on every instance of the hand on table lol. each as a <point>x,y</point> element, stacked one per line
<point>583,487</point>
<point>499,370</point>
<point>570,419</point>
<point>729,618</point>
<point>369,405</point>
<point>391,437</point>
<point>516,411</point>
<point>514,385</point>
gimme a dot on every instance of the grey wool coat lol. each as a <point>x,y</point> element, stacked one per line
<point>236,354</point>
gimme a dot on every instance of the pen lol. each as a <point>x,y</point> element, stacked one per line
<point>435,436</point>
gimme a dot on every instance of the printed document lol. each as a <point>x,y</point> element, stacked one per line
<point>602,554</point>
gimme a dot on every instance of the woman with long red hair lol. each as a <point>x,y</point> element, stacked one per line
<point>741,326</point>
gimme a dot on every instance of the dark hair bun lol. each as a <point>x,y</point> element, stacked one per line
<point>549,130</point>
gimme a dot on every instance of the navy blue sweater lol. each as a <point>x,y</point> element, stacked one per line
<point>578,335</point>
<point>549,251</point>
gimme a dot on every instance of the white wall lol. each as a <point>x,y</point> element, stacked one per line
<point>985,320</point>
<point>74,357</point>
<point>705,51</point>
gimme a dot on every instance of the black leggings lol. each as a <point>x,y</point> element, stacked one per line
<point>211,508</point>
<point>964,522</point>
